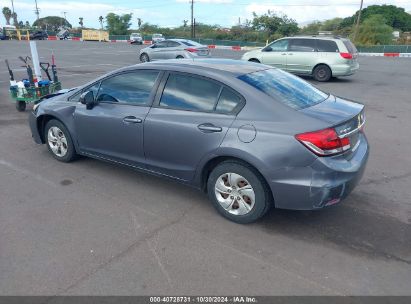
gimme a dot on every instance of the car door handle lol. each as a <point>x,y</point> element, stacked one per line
<point>290,53</point>
<point>209,128</point>
<point>283,53</point>
<point>132,119</point>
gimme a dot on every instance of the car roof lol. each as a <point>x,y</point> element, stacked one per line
<point>322,37</point>
<point>222,66</point>
<point>179,40</point>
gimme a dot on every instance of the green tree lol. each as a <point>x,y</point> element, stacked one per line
<point>331,25</point>
<point>118,25</point>
<point>81,21</point>
<point>311,28</point>
<point>52,23</point>
<point>271,23</point>
<point>15,21</point>
<point>27,24</point>
<point>394,16</point>
<point>139,22</point>
<point>7,14</point>
<point>374,30</point>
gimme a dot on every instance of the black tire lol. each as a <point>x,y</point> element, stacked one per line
<point>144,58</point>
<point>21,106</point>
<point>179,57</point>
<point>322,73</point>
<point>263,197</point>
<point>254,60</point>
<point>71,151</point>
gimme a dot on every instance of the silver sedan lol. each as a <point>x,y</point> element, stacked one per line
<point>174,49</point>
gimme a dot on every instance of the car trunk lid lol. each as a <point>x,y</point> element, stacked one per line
<point>345,118</point>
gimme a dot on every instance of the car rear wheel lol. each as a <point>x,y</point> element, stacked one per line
<point>322,73</point>
<point>180,57</point>
<point>59,141</point>
<point>238,192</point>
<point>254,60</point>
<point>144,58</point>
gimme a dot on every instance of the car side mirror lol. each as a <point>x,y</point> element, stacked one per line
<point>87,98</point>
<point>268,49</point>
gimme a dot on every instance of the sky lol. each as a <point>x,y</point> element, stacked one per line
<point>172,12</point>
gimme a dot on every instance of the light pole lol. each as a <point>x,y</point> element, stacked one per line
<point>37,10</point>
<point>192,19</point>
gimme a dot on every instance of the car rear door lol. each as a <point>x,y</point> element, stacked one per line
<point>159,51</point>
<point>275,54</point>
<point>113,128</point>
<point>188,121</point>
<point>302,55</point>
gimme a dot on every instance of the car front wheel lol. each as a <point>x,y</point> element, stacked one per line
<point>238,192</point>
<point>59,141</point>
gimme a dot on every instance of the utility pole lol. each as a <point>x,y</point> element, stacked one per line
<point>37,11</point>
<point>65,20</point>
<point>12,6</point>
<point>358,22</point>
<point>192,19</point>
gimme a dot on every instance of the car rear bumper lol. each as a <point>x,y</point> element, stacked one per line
<point>345,69</point>
<point>33,127</point>
<point>327,181</point>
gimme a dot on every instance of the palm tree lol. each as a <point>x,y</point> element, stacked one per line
<point>7,14</point>
<point>81,21</point>
<point>101,21</point>
<point>14,16</point>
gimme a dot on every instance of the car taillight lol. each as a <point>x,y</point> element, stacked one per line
<point>346,55</point>
<point>324,142</point>
<point>191,50</point>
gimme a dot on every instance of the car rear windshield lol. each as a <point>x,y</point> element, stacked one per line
<point>350,46</point>
<point>286,88</point>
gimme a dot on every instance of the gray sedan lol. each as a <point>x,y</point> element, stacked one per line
<point>249,135</point>
<point>174,49</point>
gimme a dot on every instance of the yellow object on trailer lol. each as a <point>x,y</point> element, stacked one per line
<point>94,35</point>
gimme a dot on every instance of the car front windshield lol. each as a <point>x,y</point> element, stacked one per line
<point>286,88</point>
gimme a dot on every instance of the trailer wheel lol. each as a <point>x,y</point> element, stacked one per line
<point>21,106</point>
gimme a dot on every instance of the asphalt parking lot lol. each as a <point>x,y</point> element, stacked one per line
<point>93,228</point>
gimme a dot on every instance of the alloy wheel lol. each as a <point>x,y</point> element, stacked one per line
<point>57,141</point>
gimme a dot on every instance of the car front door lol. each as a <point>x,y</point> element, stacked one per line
<point>113,128</point>
<point>173,48</point>
<point>159,51</point>
<point>187,121</point>
<point>302,55</point>
<point>275,54</point>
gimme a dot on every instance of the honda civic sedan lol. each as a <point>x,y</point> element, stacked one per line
<point>251,136</point>
<point>174,49</point>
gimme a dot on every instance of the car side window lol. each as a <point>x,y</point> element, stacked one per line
<point>302,45</point>
<point>327,46</point>
<point>186,92</point>
<point>161,44</point>
<point>279,46</point>
<point>228,101</point>
<point>94,88</point>
<point>172,44</point>
<point>131,88</point>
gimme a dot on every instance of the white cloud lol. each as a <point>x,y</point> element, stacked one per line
<point>205,1</point>
<point>89,11</point>
<point>317,10</point>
